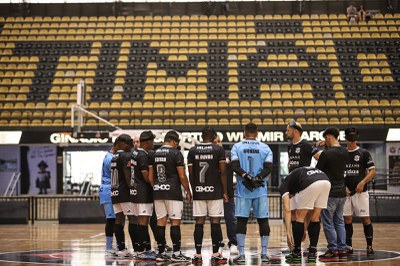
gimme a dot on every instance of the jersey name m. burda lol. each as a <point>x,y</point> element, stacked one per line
<point>252,154</point>
<point>205,159</point>
<point>167,185</point>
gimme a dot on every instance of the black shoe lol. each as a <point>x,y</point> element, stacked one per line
<point>293,257</point>
<point>370,251</point>
<point>197,259</point>
<point>180,257</point>
<point>167,248</point>
<point>218,259</point>
<point>329,254</point>
<point>342,255</point>
<point>349,250</point>
<point>312,255</point>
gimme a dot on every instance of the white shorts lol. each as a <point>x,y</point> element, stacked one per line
<point>293,202</point>
<point>172,208</point>
<point>314,196</point>
<point>143,209</point>
<point>215,208</point>
<point>358,204</point>
<point>125,207</point>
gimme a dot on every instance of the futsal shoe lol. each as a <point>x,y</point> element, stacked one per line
<point>163,257</point>
<point>370,251</point>
<point>349,250</point>
<point>293,257</point>
<point>342,255</point>
<point>110,252</point>
<point>124,253</point>
<point>217,258</point>
<point>264,258</point>
<point>145,256</point>
<point>197,259</point>
<point>239,259</point>
<point>180,257</point>
<point>329,254</point>
<point>312,255</point>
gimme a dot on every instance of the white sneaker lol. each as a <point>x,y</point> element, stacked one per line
<point>233,250</point>
<point>124,253</point>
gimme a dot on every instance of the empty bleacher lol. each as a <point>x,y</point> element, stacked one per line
<point>177,71</point>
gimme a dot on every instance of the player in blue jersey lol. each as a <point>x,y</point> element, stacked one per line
<point>105,200</point>
<point>252,162</point>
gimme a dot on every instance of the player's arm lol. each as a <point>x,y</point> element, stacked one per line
<point>190,160</point>
<point>322,160</point>
<point>143,164</point>
<point>222,176</point>
<point>287,216</point>
<point>151,175</point>
<point>370,173</point>
<point>266,170</point>
<point>184,181</point>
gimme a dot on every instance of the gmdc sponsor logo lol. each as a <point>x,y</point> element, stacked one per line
<point>163,187</point>
<point>204,189</point>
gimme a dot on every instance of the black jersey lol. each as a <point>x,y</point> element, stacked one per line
<point>300,178</point>
<point>332,162</point>
<point>359,161</point>
<point>119,187</point>
<point>300,154</point>
<point>167,185</point>
<point>141,191</point>
<point>205,159</point>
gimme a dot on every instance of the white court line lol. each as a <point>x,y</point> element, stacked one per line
<point>101,234</point>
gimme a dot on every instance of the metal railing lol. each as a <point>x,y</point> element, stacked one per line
<point>45,208</point>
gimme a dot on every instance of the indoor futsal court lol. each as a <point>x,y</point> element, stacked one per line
<point>54,244</point>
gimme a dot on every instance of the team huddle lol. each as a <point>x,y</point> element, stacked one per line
<point>148,187</point>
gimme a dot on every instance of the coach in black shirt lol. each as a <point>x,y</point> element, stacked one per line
<point>333,161</point>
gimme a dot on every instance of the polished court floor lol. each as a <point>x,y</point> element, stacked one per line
<point>54,244</point>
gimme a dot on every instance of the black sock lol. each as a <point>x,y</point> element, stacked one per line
<point>313,232</point>
<point>153,225</point>
<point>161,238</point>
<point>148,240</point>
<point>298,235</point>
<point>119,236</point>
<point>176,237</point>
<point>143,232</point>
<point>134,234</point>
<point>349,234</point>
<point>216,237</point>
<point>198,237</point>
<point>369,233</point>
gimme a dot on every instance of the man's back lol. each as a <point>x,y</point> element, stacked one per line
<point>252,155</point>
<point>333,162</point>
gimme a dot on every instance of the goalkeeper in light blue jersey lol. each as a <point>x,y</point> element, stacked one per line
<point>252,162</point>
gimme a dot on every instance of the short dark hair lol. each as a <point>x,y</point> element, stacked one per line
<point>208,133</point>
<point>351,133</point>
<point>250,128</point>
<point>334,131</point>
<point>172,135</point>
<point>146,135</point>
<point>124,138</point>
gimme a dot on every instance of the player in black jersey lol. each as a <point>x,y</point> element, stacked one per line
<point>312,188</point>
<point>120,192</point>
<point>207,174</point>
<point>333,161</point>
<point>360,169</point>
<point>142,193</point>
<point>167,175</point>
<point>300,154</point>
